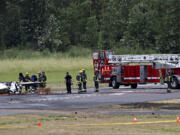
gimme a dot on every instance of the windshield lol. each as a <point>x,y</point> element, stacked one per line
<point>102,55</point>
<point>95,55</point>
<point>108,53</point>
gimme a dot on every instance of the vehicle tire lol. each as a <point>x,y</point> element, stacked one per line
<point>174,83</point>
<point>133,86</point>
<point>115,84</point>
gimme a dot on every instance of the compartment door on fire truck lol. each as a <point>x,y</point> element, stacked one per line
<point>102,58</point>
<point>143,74</point>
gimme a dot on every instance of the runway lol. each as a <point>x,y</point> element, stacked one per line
<point>72,102</point>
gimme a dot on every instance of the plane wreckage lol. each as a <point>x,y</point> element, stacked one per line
<point>16,87</point>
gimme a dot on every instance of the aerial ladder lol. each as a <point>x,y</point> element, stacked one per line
<point>159,61</point>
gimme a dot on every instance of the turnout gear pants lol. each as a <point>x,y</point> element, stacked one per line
<point>68,87</point>
<point>84,86</point>
<point>96,84</point>
<point>79,87</point>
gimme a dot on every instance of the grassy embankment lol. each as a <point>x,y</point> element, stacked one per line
<point>67,124</point>
<point>54,64</point>
<point>55,69</point>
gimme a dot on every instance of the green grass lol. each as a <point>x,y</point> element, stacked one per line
<point>55,68</point>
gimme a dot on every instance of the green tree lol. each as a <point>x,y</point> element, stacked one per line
<point>33,21</point>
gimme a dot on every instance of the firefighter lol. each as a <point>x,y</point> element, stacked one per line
<point>68,80</point>
<point>168,76</point>
<point>21,77</point>
<point>43,79</point>
<point>161,77</point>
<point>84,79</point>
<point>79,81</point>
<point>34,79</point>
<point>96,81</point>
<point>27,79</point>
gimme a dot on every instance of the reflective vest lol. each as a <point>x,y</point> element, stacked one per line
<point>78,79</point>
<point>96,79</point>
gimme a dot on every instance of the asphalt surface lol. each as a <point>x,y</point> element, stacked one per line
<point>16,104</point>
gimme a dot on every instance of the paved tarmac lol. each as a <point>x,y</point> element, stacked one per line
<point>72,102</point>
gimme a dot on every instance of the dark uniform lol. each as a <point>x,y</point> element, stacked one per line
<point>79,82</point>
<point>168,79</point>
<point>84,80</point>
<point>21,77</point>
<point>43,79</point>
<point>68,80</point>
<point>39,76</point>
<point>27,79</point>
<point>34,79</point>
<point>96,83</point>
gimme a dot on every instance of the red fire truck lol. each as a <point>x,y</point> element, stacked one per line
<point>132,70</point>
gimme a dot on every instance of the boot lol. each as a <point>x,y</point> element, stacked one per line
<point>96,90</point>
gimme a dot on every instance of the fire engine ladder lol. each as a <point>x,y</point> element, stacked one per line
<point>157,60</point>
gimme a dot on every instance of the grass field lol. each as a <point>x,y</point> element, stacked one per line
<point>55,69</point>
<point>68,124</point>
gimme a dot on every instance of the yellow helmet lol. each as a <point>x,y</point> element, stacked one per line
<point>27,73</point>
<point>80,71</point>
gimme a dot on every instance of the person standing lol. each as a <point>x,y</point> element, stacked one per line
<point>96,81</point>
<point>84,79</point>
<point>79,81</point>
<point>68,80</point>
<point>43,77</point>
<point>27,79</point>
<point>34,79</point>
<point>39,76</point>
<point>21,77</point>
<point>168,76</point>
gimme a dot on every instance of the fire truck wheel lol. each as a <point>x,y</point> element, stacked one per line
<point>174,83</point>
<point>115,84</point>
<point>133,86</point>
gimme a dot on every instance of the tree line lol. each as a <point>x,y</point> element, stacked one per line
<point>57,25</point>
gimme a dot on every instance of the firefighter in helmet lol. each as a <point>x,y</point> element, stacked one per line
<point>84,79</point>
<point>96,80</point>
<point>161,77</point>
<point>79,81</point>
<point>42,78</point>
<point>168,79</point>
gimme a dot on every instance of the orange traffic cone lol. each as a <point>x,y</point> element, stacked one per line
<point>39,123</point>
<point>177,120</point>
<point>135,120</point>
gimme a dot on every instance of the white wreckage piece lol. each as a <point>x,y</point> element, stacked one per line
<point>10,88</point>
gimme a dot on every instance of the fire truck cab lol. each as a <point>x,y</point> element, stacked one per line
<point>132,70</point>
